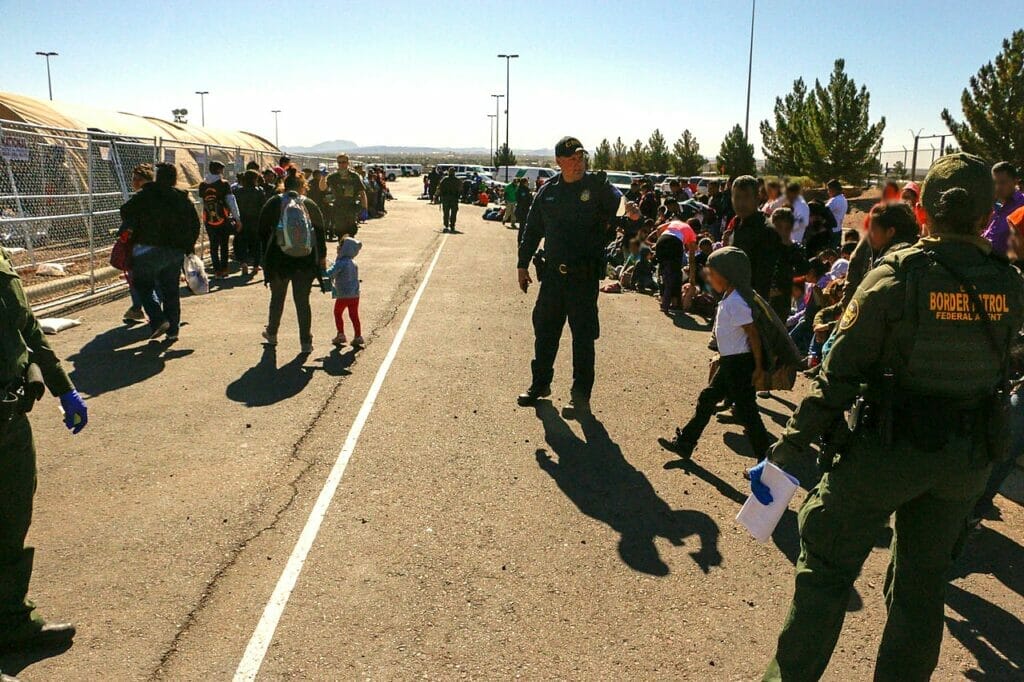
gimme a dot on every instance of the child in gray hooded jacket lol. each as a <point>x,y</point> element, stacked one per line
<point>344,274</point>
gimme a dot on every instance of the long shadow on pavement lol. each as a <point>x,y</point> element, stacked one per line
<point>116,359</point>
<point>267,384</point>
<point>13,663</point>
<point>594,474</point>
<point>992,634</point>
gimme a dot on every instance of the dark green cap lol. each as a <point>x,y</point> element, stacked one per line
<point>966,171</point>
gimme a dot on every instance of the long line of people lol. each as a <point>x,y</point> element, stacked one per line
<point>280,221</point>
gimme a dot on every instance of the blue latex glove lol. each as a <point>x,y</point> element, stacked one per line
<point>76,414</point>
<point>762,492</point>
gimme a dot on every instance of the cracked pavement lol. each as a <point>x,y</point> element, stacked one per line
<point>469,537</point>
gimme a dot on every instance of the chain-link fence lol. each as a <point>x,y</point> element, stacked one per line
<point>60,191</point>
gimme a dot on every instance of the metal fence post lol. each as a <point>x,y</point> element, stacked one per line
<point>20,208</point>
<point>89,215</point>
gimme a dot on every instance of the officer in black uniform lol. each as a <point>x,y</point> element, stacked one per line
<point>570,213</point>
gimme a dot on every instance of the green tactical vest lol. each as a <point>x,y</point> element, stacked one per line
<point>941,341</point>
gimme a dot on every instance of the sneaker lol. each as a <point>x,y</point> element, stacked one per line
<point>681,446</point>
<point>764,395</point>
<point>532,395</point>
<point>171,337</point>
<point>577,407</point>
<point>160,331</point>
<point>340,340</point>
<point>134,314</point>
<point>271,339</point>
<point>306,347</point>
<point>358,342</point>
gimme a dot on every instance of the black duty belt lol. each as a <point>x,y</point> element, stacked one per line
<point>572,270</point>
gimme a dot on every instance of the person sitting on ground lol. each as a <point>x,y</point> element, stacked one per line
<point>740,366</point>
<point>281,269</point>
<point>344,276</point>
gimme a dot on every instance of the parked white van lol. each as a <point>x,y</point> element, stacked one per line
<point>392,171</point>
<point>531,173</point>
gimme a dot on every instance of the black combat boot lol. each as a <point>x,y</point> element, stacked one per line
<point>578,408</point>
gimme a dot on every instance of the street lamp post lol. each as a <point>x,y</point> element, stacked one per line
<point>49,83</point>
<point>490,141</point>
<point>508,150</point>
<point>497,127</point>
<point>202,105</point>
<point>275,112</point>
<point>750,71</point>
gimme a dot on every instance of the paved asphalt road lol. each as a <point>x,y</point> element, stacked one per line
<point>468,537</point>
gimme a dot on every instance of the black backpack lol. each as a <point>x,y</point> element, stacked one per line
<point>250,201</point>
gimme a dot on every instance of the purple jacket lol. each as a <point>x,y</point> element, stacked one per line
<point>998,230</point>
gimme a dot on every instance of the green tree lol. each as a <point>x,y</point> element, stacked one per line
<point>899,170</point>
<point>603,156</point>
<point>686,156</point>
<point>841,141</point>
<point>504,157</point>
<point>736,157</point>
<point>638,157</point>
<point>994,107</point>
<point>658,157</point>
<point>825,133</point>
<point>619,151</point>
<point>784,144</point>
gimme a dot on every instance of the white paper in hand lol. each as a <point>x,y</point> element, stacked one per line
<point>761,519</point>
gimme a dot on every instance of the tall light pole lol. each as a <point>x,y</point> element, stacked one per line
<point>49,83</point>
<point>491,118</point>
<point>202,104</point>
<point>497,127</point>
<point>750,71</point>
<point>275,112</point>
<point>508,150</point>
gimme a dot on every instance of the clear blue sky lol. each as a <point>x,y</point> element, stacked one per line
<point>421,73</point>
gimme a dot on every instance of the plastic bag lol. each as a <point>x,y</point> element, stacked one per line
<point>195,275</point>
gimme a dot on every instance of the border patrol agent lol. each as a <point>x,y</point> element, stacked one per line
<point>449,191</point>
<point>570,213</point>
<point>349,197</point>
<point>928,333</point>
<point>27,368</point>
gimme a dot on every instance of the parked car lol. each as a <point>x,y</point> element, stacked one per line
<point>621,180</point>
<point>531,173</point>
<point>411,170</point>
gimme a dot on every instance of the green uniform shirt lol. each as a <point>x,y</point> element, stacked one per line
<point>347,188</point>
<point>21,340</point>
<point>944,353</point>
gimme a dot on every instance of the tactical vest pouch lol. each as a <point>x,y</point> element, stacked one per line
<point>33,390</point>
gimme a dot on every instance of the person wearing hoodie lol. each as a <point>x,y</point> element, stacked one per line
<point>741,365</point>
<point>344,275</point>
<point>220,215</point>
<point>164,227</point>
<point>911,194</point>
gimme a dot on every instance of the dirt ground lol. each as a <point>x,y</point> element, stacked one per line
<point>468,538</point>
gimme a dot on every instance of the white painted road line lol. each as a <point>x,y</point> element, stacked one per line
<point>264,634</point>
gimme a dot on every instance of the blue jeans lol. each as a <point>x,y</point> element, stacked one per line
<point>136,298</point>
<point>155,274</point>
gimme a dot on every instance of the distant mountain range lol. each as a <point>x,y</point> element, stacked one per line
<point>335,146</point>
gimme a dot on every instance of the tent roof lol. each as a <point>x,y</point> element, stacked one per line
<point>80,117</point>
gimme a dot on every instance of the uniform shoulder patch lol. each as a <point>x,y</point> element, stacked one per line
<point>850,315</point>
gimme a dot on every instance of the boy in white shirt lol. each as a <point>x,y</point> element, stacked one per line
<point>740,365</point>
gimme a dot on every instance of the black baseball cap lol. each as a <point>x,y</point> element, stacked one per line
<point>568,146</point>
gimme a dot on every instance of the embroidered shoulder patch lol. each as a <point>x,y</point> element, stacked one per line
<point>850,316</point>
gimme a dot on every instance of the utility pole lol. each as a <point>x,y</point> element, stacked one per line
<point>202,104</point>
<point>275,112</point>
<point>49,83</point>
<point>497,128</point>
<point>508,150</point>
<point>750,71</point>
<point>913,163</point>
<point>491,119</point>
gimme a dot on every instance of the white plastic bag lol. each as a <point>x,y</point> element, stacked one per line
<point>195,275</point>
